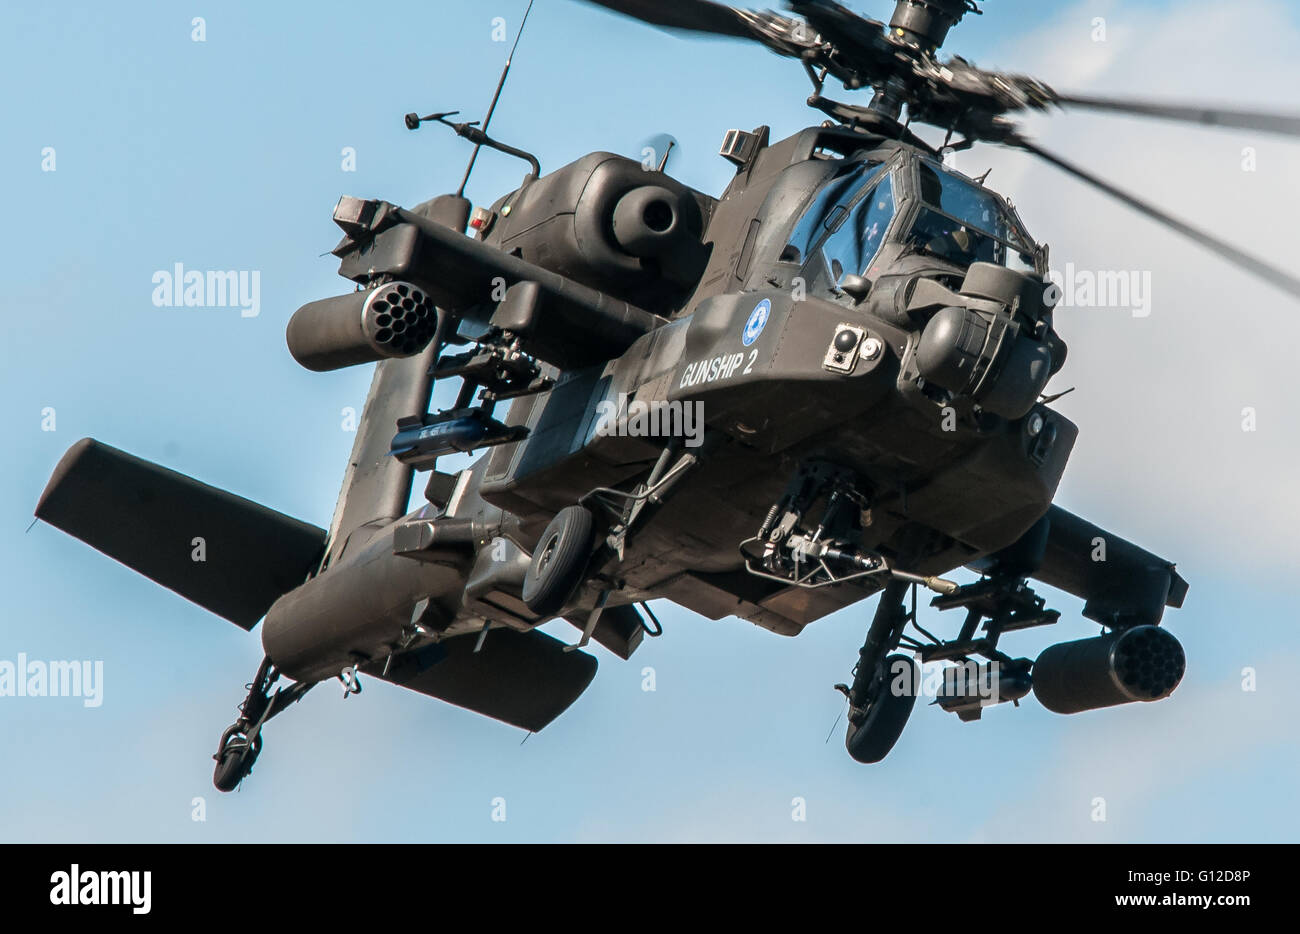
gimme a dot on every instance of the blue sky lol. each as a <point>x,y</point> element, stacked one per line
<point>227,153</point>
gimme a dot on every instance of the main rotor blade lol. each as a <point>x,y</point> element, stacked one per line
<point>783,35</point>
<point>1257,267</point>
<point>694,15</point>
<point>1285,124</point>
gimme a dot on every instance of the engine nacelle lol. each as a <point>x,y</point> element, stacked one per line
<point>1142,663</point>
<point>391,320</point>
<point>609,223</point>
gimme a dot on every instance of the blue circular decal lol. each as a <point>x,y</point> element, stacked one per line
<point>757,321</point>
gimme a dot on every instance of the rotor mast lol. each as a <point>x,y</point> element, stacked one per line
<point>925,23</point>
<point>921,25</point>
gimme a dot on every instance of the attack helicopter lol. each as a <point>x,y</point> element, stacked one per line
<point>864,333</point>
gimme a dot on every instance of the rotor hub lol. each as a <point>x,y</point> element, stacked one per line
<point>925,23</point>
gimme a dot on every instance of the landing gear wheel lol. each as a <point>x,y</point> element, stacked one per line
<point>871,739</point>
<point>559,560</point>
<point>235,759</point>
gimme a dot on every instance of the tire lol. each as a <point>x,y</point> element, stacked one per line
<point>559,560</point>
<point>872,739</point>
<point>235,762</point>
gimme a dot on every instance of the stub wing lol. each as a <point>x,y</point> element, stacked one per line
<point>1115,576</point>
<point>1121,582</point>
<point>524,679</point>
<point>150,518</point>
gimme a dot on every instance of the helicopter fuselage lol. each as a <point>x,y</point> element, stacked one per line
<point>795,361</point>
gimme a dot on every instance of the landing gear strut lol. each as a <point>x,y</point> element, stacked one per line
<point>241,743</point>
<point>884,687</point>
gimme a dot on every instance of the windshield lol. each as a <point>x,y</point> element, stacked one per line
<point>852,246</point>
<point>828,208</point>
<point>965,223</point>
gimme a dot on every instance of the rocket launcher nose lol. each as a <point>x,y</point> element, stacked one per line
<point>392,320</point>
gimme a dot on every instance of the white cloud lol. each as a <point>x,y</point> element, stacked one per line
<point>1162,457</point>
<point>1163,748</point>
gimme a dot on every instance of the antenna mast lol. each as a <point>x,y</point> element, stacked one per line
<point>505,73</point>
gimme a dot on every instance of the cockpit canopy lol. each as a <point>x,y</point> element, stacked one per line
<point>910,200</point>
<point>964,222</point>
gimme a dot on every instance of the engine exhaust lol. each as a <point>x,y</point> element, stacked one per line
<point>1143,663</point>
